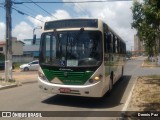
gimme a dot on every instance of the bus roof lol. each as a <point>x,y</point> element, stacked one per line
<point>71,23</point>
<point>76,23</point>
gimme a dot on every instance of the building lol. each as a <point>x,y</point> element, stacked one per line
<point>31,50</point>
<point>17,47</point>
<point>29,41</point>
<point>138,45</point>
<point>2,47</point>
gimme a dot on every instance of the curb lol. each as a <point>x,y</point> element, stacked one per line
<point>150,66</point>
<point>142,64</point>
<point>17,84</point>
<point>28,82</point>
<point>124,109</point>
<point>8,86</point>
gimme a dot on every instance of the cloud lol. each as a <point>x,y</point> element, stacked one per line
<point>117,15</point>
<point>22,31</point>
<point>2,31</point>
<point>38,20</point>
<point>62,14</point>
<point>59,14</point>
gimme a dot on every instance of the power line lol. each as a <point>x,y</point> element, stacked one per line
<point>80,8</point>
<point>1,6</point>
<point>91,1</point>
<point>24,10</point>
<point>43,9</point>
<point>22,13</point>
<point>30,8</point>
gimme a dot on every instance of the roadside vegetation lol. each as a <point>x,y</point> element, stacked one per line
<point>146,20</point>
<point>3,82</point>
<point>149,63</point>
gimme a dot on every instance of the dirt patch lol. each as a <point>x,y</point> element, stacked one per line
<point>145,96</point>
<point>19,78</point>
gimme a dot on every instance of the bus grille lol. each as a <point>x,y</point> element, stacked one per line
<point>68,77</point>
<point>62,75</point>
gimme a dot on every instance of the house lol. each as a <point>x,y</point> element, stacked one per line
<point>2,47</point>
<point>17,47</point>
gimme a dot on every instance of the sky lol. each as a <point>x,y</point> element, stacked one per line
<point>117,15</point>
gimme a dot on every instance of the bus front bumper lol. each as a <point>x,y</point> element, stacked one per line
<point>92,90</point>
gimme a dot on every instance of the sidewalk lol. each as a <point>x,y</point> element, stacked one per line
<point>149,64</point>
<point>19,77</point>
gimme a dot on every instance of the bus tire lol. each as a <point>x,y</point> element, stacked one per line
<point>122,71</point>
<point>111,82</point>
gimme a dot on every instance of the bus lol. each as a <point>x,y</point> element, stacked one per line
<point>80,57</point>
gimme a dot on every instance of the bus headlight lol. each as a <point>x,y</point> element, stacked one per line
<point>41,75</point>
<point>95,79</point>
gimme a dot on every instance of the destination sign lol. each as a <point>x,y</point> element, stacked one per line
<point>72,23</point>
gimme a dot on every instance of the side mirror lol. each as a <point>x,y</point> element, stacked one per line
<point>34,39</point>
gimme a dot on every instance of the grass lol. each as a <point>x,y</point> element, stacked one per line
<point>147,62</point>
<point>16,65</point>
<point>154,76</point>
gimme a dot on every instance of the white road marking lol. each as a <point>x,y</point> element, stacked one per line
<point>129,97</point>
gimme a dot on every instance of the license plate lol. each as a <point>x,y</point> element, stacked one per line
<point>65,90</point>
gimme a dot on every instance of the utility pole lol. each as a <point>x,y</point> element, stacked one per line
<point>8,52</point>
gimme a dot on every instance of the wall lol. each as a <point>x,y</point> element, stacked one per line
<point>17,48</point>
<point>22,59</point>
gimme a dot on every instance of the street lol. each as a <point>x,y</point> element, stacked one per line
<point>29,98</point>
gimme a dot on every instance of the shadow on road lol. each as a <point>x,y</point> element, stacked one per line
<point>109,100</point>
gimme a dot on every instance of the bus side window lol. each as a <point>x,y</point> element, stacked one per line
<point>109,43</point>
<point>118,45</point>
<point>105,43</point>
<point>114,44</point>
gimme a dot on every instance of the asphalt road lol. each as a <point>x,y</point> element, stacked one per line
<point>29,98</point>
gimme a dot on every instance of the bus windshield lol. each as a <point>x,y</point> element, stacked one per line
<point>71,48</point>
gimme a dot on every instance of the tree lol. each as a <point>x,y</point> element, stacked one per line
<point>146,19</point>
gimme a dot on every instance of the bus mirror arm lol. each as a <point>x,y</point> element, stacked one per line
<point>34,39</point>
<point>34,35</point>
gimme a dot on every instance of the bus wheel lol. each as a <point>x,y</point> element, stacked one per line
<point>111,82</point>
<point>122,71</point>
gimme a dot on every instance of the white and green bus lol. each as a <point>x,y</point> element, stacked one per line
<point>80,57</point>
